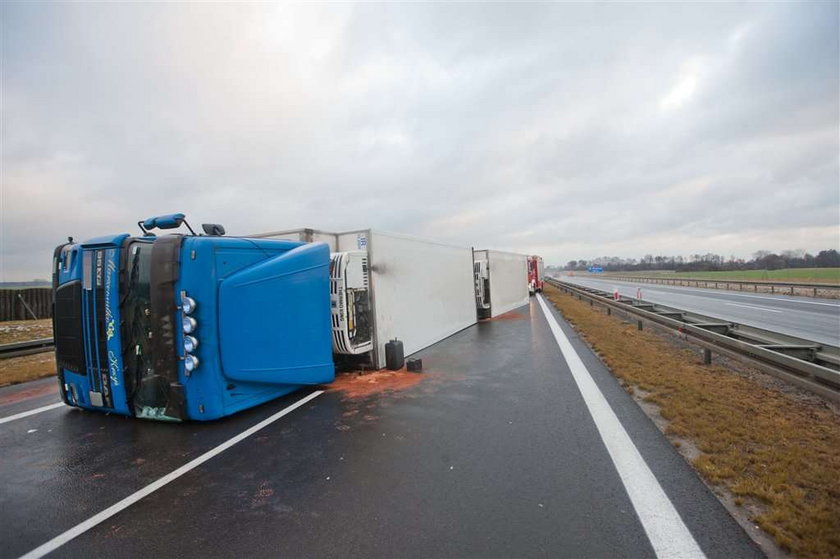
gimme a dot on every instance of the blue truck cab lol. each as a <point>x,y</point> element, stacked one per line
<point>189,327</point>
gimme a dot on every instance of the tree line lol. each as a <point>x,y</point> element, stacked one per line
<point>761,260</point>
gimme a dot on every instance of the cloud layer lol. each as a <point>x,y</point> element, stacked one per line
<point>567,130</point>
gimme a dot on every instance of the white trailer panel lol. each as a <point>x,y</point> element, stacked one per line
<point>508,280</point>
<point>352,240</point>
<point>303,235</point>
<point>423,291</point>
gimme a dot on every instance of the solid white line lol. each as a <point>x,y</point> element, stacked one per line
<point>80,529</point>
<point>666,531</point>
<point>23,414</point>
<point>751,307</point>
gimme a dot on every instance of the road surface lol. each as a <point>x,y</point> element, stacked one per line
<point>804,317</point>
<point>501,450</point>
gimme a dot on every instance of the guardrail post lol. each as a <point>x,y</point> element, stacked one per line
<point>707,356</point>
<point>609,311</point>
<point>639,325</point>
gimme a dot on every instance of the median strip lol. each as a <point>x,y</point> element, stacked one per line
<point>29,367</point>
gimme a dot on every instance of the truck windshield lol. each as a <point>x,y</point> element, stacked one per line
<point>144,391</point>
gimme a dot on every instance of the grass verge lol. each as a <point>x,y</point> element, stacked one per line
<point>778,455</point>
<point>23,330</point>
<point>29,367</point>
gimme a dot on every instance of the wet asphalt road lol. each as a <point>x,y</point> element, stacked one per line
<point>804,317</point>
<point>493,454</point>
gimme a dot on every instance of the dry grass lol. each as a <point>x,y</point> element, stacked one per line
<point>28,367</point>
<point>23,330</point>
<point>775,453</point>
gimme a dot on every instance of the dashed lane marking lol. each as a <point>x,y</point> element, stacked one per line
<point>752,307</point>
<point>23,414</point>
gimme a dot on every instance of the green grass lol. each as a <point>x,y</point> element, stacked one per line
<point>815,275</point>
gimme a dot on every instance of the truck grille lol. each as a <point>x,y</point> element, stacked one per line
<point>69,345</point>
<point>93,325</point>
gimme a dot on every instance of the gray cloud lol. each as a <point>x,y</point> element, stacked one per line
<point>568,130</point>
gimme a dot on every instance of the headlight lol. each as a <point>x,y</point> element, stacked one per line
<point>190,343</point>
<point>190,363</point>
<point>187,304</point>
<point>189,324</point>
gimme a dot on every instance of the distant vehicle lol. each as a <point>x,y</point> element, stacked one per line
<point>535,274</point>
<point>595,269</point>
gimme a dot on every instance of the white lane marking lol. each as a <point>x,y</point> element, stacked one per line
<point>91,522</point>
<point>777,299</point>
<point>655,286</point>
<point>666,531</point>
<point>751,307</point>
<point>23,414</point>
<point>787,300</point>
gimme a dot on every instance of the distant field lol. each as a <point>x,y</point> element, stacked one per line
<point>815,275</point>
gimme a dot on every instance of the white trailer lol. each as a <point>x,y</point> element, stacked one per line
<point>418,291</point>
<point>501,280</point>
<point>303,235</point>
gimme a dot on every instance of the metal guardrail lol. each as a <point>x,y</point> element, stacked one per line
<point>29,347</point>
<point>775,287</point>
<point>811,365</point>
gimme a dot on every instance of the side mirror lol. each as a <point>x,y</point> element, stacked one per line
<point>213,229</point>
<point>170,221</point>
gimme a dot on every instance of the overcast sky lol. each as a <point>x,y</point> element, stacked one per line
<point>567,130</point>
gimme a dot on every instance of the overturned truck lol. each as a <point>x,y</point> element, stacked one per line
<point>199,326</point>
